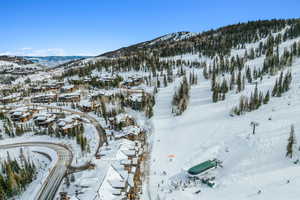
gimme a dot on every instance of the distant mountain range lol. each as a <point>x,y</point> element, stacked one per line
<point>53,61</point>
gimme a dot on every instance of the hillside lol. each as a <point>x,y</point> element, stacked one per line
<point>162,40</point>
<point>211,115</point>
<point>251,163</point>
<point>15,59</point>
<point>246,74</point>
<point>204,43</point>
<point>53,61</point>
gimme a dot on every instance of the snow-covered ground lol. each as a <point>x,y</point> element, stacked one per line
<point>206,131</point>
<point>79,158</point>
<point>42,162</point>
<point>251,163</point>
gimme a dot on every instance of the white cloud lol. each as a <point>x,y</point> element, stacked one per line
<point>26,51</point>
<point>26,48</point>
<point>6,53</point>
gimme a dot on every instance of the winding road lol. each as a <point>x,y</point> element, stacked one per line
<point>53,181</point>
<point>65,156</point>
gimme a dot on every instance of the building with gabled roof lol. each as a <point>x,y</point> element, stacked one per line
<point>67,89</point>
<point>69,97</point>
<point>22,114</point>
<point>87,105</point>
<point>44,119</point>
<point>15,97</point>
<point>44,98</point>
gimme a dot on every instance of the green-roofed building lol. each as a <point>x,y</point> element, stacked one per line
<point>203,167</point>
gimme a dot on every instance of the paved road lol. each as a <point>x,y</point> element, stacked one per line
<point>96,124</point>
<point>53,181</point>
<point>51,185</point>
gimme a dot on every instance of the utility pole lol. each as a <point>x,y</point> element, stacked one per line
<point>254,125</point>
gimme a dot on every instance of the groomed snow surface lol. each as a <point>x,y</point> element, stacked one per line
<point>251,163</point>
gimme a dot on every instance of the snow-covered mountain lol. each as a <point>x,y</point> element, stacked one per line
<point>15,59</point>
<point>172,37</point>
<point>255,166</point>
<point>151,44</point>
<point>17,65</point>
<point>53,61</point>
<point>240,106</point>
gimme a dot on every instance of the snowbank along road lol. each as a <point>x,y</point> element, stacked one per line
<point>52,183</point>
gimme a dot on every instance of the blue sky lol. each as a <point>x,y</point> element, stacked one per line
<point>91,27</point>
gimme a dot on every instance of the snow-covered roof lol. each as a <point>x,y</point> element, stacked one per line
<point>119,168</point>
<point>21,109</point>
<point>50,95</point>
<point>73,94</point>
<point>130,179</point>
<point>85,103</point>
<point>122,117</point>
<point>135,161</point>
<point>67,87</point>
<point>103,76</point>
<point>129,152</point>
<point>116,191</point>
<point>135,130</point>
<point>125,162</point>
<point>116,183</point>
<point>68,122</point>
<point>12,96</point>
<point>44,117</point>
<point>103,93</point>
<point>138,97</point>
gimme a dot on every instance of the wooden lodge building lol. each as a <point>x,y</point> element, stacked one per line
<point>11,98</point>
<point>87,106</point>
<point>44,119</point>
<point>68,89</point>
<point>69,97</point>
<point>22,114</point>
<point>44,98</point>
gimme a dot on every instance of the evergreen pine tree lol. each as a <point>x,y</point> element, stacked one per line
<point>266,98</point>
<point>291,143</point>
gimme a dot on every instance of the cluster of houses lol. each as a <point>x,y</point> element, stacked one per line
<point>94,99</point>
<point>105,77</point>
<point>132,81</point>
<point>124,175</point>
<point>24,70</point>
<point>15,97</point>
<point>43,118</point>
<point>97,79</point>
<point>58,91</point>
<point>104,95</point>
<point>51,85</point>
<point>59,121</point>
<point>51,91</point>
<point>68,93</point>
<point>108,79</point>
<point>124,126</point>
<point>44,98</point>
<point>87,105</point>
<point>68,123</point>
<point>133,99</point>
<point>69,97</point>
<point>22,114</point>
